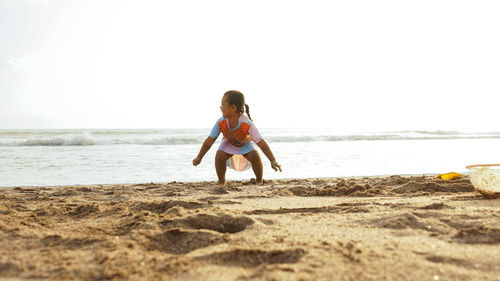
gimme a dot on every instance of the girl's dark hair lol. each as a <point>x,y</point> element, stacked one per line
<point>237,98</point>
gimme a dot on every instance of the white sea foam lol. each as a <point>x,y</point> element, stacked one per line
<point>176,137</point>
<point>64,140</point>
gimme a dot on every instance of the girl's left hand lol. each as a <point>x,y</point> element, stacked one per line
<point>275,166</point>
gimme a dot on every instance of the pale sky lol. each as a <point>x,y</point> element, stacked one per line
<point>360,65</point>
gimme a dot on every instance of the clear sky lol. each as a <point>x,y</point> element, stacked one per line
<point>360,65</point>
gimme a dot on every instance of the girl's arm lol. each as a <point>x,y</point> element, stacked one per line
<point>207,144</point>
<point>269,154</point>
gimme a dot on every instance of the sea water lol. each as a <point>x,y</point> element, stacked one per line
<point>98,156</point>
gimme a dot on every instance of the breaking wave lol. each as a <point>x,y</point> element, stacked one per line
<point>156,138</point>
<point>64,140</point>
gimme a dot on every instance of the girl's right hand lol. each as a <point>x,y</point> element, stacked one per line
<point>196,161</point>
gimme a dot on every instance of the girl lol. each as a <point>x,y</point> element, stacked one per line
<point>240,134</point>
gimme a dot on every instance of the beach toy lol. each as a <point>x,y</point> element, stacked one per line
<point>238,163</point>
<point>449,176</point>
<point>485,178</point>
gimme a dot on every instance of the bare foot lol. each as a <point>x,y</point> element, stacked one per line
<point>253,181</point>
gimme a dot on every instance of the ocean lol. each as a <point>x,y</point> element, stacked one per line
<point>110,156</point>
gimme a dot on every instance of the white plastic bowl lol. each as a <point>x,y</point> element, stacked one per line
<point>485,178</point>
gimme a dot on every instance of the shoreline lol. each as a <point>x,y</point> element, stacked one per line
<point>212,181</point>
<point>365,228</point>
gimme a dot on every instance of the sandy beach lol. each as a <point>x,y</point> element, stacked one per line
<point>367,228</point>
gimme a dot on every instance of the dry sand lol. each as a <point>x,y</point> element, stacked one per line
<point>377,228</point>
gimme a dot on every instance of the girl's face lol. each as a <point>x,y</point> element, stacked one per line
<point>227,109</point>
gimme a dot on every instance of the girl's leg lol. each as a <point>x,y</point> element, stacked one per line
<point>254,158</point>
<point>220,165</point>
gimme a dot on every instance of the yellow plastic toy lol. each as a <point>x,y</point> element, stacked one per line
<point>449,176</point>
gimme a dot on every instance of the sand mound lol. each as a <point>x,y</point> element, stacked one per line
<point>433,187</point>
<point>370,187</point>
<point>411,221</point>
<point>343,188</point>
<point>399,222</point>
<point>219,190</point>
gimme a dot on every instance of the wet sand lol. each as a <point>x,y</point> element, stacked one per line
<point>376,228</point>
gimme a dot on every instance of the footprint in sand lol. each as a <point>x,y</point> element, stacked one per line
<point>217,200</point>
<point>340,208</point>
<point>349,251</point>
<point>70,243</point>
<point>161,207</point>
<point>460,263</point>
<point>222,223</point>
<point>9,270</point>
<point>436,206</point>
<point>180,241</point>
<point>86,210</point>
<point>478,235</point>
<point>253,257</point>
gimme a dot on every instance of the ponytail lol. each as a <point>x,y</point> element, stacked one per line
<point>247,109</point>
